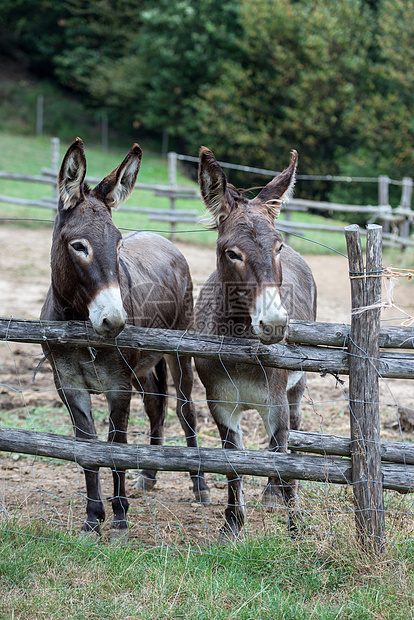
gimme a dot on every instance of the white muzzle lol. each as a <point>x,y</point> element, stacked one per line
<point>269,317</point>
<point>106,312</point>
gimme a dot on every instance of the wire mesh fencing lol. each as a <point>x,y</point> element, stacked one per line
<point>51,491</point>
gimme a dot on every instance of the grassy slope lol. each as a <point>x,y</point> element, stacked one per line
<point>30,154</point>
<point>54,576</point>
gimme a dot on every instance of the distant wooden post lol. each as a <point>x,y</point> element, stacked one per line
<point>406,193</point>
<point>363,387</point>
<point>55,144</point>
<point>383,196</point>
<point>104,131</point>
<point>39,115</point>
<point>172,177</point>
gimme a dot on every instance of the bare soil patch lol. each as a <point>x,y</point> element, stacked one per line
<point>33,488</point>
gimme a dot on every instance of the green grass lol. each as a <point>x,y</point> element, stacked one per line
<point>51,575</point>
<point>29,155</point>
<point>46,419</point>
<point>26,154</point>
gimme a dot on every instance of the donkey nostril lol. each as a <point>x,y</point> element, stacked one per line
<point>107,325</point>
<point>111,328</point>
<point>266,329</point>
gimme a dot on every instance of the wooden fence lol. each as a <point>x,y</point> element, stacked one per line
<point>396,222</point>
<point>361,350</point>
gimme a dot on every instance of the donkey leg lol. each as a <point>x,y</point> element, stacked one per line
<point>78,403</point>
<point>182,374</point>
<point>119,405</point>
<point>278,488</point>
<point>294,396</point>
<point>154,386</point>
<point>235,513</point>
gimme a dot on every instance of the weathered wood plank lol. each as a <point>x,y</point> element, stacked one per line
<point>34,178</point>
<point>177,193</point>
<point>320,443</point>
<point>286,355</point>
<point>26,202</point>
<point>178,216</point>
<point>337,335</point>
<point>342,208</point>
<point>303,332</point>
<point>363,387</point>
<point>92,453</point>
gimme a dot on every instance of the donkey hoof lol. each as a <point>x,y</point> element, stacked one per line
<point>202,496</point>
<point>145,484</point>
<point>90,534</point>
<point>225,538</point>
<point>118,536</point>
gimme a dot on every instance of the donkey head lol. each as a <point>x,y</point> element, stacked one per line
<point>249,246</point>
<point>86,242</point>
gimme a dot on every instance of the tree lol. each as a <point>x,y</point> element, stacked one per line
<point>31,30</point>
<point>301,71</point>
<point>148,63</point>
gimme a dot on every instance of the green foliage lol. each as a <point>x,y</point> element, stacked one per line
<point>300,74</point>
<point>33,28</point>
<point>146,65</point>
<point>251,79</point>
<point>64,115</point>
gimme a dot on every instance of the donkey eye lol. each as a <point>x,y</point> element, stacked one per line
<point>280,248</point>
<point>233,255</point>
<point>79,247</point>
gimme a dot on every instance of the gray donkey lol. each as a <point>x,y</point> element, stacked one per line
<point>259,282</point>
<point>110,280</point>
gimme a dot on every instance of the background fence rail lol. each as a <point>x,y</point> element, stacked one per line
<point>396,221</point>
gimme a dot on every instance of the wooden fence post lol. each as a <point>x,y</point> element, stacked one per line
<point>405,204</point>
<point>39,115</point>
<point>104,131</point>
<point>383,196</point>
<point>363,387</point>
<point>172,178</point>
<point>164,146</point>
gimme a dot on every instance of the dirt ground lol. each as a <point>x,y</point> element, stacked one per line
<point>54,492</point>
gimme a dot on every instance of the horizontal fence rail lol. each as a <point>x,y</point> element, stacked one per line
<point>90,453</point>
<point>396,222</point>
<point>288,355</point>
<point>305,177</point>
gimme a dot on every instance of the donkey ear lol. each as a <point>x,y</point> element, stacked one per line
<point>213,184</point>
<point>280,189</point>
<point>118,185</point>
<point>72,174</point>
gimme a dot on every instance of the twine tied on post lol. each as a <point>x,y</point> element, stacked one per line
<point>387,299</point>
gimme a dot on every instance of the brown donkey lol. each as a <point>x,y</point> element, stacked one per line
<point>247,297</point>
<point>141,279</point>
